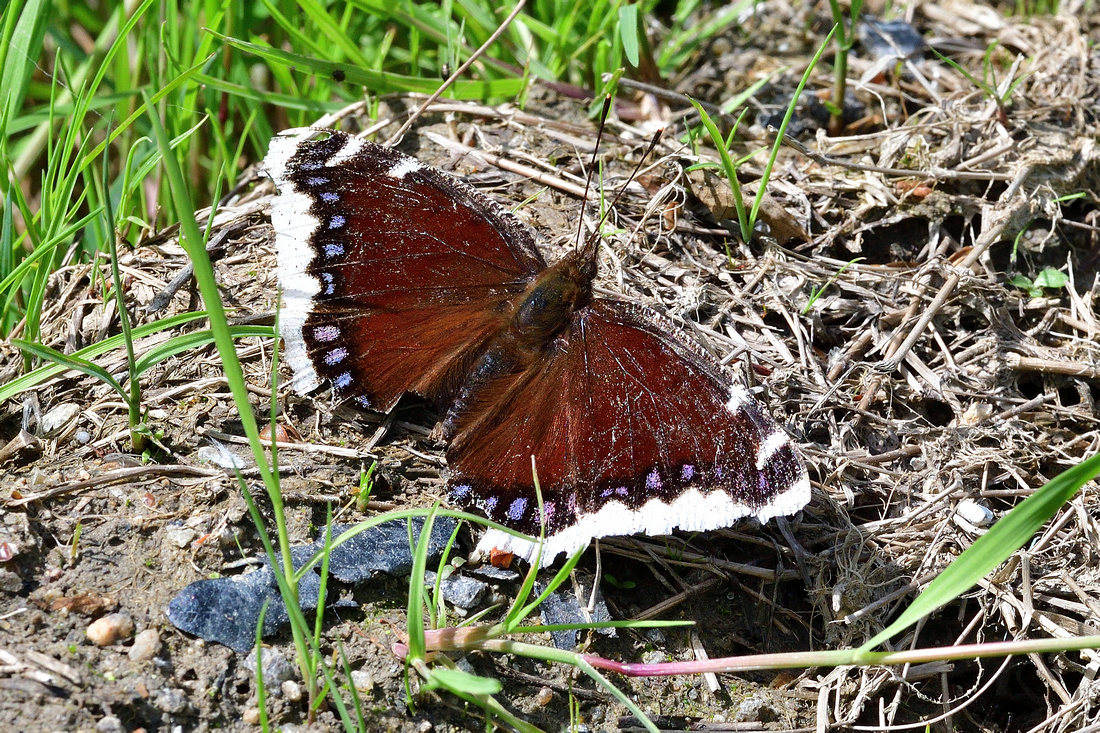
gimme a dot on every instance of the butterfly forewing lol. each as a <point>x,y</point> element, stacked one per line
<point>632,430</point>
<point>394,275</point>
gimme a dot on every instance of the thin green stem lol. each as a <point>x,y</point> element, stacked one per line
<point>133,402</point>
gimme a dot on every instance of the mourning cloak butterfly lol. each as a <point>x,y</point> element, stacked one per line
<point>398,278</point>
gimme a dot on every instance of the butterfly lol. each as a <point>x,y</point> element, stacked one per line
<point>398,278</point>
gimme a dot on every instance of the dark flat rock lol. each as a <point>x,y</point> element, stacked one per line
<point>227,610</point>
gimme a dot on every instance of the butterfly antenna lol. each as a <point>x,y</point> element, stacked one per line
<point>592,167</point>
<point>590,243</point>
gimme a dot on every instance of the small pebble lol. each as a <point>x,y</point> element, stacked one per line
<point>10,582</point>
<point>146,645</point>
<point>172,700</point>
<point>251,716</point>
<point>111,628</point>
<point>975,513</point>
<point>721,46</point>
<point>756,708</point>
<point>425,726</point>
<point>57,419</point>
<point>109,724</point>
<point>292,691</point>
<point>275,668</point>
<point>179,536</point>
<point>83,437</point>
<point>362,680</point>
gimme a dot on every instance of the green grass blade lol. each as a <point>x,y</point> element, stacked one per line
<point>599,625</point>
<point>361,723</point>
<point>71,362</point>
<point>40,375</point>
<point>618,694</point>
<point>44,249</point>
<point>680,46</point>
<point>729,167</point>
<point>322,592</point>
<point>518,614</point>
<point>331,31</point>
<point>21,57</point>
<point>289,591</point>
<point>738,100</point>
<point>762,186</point>
<point>628,31</point>
<point>437,607</point>
<point>282,101</point>
<point>261,692</point>
<point>379,82</point>
<point>463,685</point>
<point>415,614</point>
<point>1009,534</point>
<point>196,340</point>
<point>192,241</point>
<point>456,680</point>
<point>142,109</point>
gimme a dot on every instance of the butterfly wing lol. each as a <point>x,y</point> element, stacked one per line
<point>394,275</point>
<point>631,429</point>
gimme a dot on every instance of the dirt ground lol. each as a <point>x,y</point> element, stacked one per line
<point>875,316</point>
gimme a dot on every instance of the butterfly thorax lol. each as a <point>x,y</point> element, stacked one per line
<point>539,315</point>
<point>547,305</point>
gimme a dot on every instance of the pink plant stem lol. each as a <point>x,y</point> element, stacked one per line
<point>486,638</point>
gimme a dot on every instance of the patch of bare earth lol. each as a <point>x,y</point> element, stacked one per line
<point>928,396</point>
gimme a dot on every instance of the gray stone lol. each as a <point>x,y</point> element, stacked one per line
<point>171,700</point>
<point>179,535</point>
<point>563,607</point>
<point>276,670</point>
<point>227,610</point>
<point>10,582</point>
<point>58,419</point>
<point>756,709</point>
<point>459,590</point>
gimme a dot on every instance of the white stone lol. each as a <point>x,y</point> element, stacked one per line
<point>146,645</point>
<point>292,690</point>
<point>362,680</point>
<point>975,513</point>
<point>179,536</point>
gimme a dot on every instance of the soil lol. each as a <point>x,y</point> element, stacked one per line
<point>913,447</point>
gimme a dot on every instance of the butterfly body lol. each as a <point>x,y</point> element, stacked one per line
<point>538,317</point>
<point>398,278</point>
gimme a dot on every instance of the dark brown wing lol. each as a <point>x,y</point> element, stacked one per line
<point>632,430</point>
<point>394,275</point>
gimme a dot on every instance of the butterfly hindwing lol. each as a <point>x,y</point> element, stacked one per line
<point>632,429</point>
